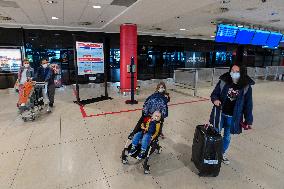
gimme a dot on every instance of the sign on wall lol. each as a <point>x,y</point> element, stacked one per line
<point>10,59</point>
<point>195,60</point>
<point>90,58</point>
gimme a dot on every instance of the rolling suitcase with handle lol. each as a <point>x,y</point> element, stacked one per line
<point>207,149</point>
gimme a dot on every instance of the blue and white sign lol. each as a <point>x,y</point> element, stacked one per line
<point>90,58</point>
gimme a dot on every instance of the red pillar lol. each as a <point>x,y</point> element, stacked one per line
<point>128,48</point>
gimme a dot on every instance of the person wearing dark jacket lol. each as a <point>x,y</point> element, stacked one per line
<point>232,94</point>
<point>46,74</point>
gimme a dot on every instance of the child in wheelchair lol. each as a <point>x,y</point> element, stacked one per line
<point>149,131</point>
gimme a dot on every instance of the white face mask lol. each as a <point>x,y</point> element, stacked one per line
<point>26,65</point>
<point>235,76</point>
<point>44,65</point>
<point>161,90</point>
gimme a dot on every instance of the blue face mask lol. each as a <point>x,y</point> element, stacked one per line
<point>235,76</point>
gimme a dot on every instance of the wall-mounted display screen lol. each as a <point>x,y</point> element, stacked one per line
<point>10,59</point>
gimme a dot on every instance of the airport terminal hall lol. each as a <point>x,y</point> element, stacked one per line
<point>142,94</point>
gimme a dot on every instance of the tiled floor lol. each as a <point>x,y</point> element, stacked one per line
<point>65,150</point>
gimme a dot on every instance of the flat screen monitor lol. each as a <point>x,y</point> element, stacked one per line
<point>273,39</point>
<point>244,36</point>
<point>226,33</point>
<point>10,59</point>
<point>260,37</point>
<point>281,44</point>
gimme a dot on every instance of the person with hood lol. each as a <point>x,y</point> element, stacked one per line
<point>158,101</point>
<point>46,74</point>
<point>25,73</point>
<point>232,95</point>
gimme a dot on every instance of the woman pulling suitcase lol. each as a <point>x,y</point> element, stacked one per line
<point>234,94</point>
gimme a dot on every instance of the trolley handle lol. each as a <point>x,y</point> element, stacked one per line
<point>220,116</point>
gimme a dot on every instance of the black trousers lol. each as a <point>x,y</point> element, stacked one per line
<point>51,93</point>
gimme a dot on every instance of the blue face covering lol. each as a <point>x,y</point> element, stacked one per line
<point>235,76</point>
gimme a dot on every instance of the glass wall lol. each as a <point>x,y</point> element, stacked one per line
<point>158,57</point>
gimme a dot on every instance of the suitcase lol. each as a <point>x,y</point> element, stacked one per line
<point>207,149</point>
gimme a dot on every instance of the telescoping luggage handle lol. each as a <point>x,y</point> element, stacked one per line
<point>220,115</point>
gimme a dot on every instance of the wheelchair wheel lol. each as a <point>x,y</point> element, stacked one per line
<point>147,170</point>
<point>124,161</point>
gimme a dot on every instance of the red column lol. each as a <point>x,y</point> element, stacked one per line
<point>128,48</point>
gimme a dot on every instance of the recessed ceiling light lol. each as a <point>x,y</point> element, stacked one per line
<point>97,6</point>
<point>182,29</point>
<point>51,2</point>
<point>54,18</point>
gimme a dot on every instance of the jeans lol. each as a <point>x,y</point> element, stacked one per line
<point>226,122</point>
<point>146,139</point>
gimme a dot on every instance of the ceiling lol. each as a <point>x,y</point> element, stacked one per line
<point>153,17</point>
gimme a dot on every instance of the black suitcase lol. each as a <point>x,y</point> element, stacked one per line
<point>207,149</point>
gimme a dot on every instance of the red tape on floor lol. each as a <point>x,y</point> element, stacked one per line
<point>134,110</point>
<point>84,114</point>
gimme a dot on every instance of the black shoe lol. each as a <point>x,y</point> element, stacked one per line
<point>132,151</point>
<point>141,155</point>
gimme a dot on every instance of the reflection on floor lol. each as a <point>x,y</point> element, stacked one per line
<point>65,150</point>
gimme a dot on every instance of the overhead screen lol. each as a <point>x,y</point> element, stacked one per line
<point>260,37</point>
<point>281,44</point>
<point>274,39</point>
<point>226,33</point>
<point>246,36</point>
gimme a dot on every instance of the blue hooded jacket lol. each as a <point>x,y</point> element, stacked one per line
<point>243,107</point>
<point>156,102</point>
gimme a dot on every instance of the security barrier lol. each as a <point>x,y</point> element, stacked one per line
<point>192,78</point>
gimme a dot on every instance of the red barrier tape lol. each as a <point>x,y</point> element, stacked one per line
<point>138,109</point>
<point>84,114</point>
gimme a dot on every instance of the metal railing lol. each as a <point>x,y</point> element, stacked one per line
<point>192,78</point>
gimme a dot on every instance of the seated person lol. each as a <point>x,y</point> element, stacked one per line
<point>148,132</point>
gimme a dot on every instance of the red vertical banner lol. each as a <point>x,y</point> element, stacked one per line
<point>128,49</point>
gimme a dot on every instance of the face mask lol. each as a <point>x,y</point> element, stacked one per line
<point>26,65</point>
<point>235,76</point>
<point>44,65</point>
<point>161,90</point>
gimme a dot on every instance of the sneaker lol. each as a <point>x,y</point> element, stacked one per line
<point>48,109</point>
<point>225,160</point>
<point>132,151</point>
<point>141,155</point>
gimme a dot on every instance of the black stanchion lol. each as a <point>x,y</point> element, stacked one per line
<point>132,71</point>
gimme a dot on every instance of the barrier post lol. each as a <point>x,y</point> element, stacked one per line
<point>195,82</point>
<point>266,73</point>
<point>132,71</point>
<point>212,79</point>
